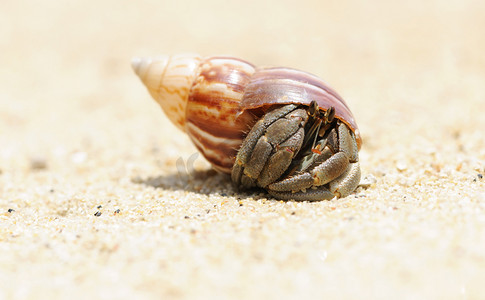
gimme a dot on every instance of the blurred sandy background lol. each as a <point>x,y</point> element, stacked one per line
<point>93,203</point>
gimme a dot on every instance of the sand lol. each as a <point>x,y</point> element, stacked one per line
<point>99,197</point>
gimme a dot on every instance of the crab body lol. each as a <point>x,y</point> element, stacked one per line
<point>280,129</point>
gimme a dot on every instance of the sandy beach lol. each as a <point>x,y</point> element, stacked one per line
<point>102,197</point>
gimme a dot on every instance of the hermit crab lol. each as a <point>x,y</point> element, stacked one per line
<point>280,129</point>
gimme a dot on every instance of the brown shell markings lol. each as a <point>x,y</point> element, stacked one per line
<point>212,110</point>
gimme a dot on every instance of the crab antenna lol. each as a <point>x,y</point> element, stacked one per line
<point>316,133</point>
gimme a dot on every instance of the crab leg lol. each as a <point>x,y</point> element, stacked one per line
<point>340,187</point>
<point>252,138</point>
<point>279,162</point>
<point>330,169</point>
<point>347,182</point>
<point>347,143</point>
<point>270,147</point>
<point>256,162</point>
<point>308,195</point>
<point>296,183</point>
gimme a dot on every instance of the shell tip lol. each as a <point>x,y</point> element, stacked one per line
<point>135,64</point>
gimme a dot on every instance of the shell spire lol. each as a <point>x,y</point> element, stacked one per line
<point>168,80</point>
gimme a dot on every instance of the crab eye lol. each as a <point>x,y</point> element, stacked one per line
<point>329,115</point>
<point>313,109</point>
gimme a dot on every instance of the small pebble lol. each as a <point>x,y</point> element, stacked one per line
<point>38,163</point>
<point>367,181</point>
<point>401,166</point>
